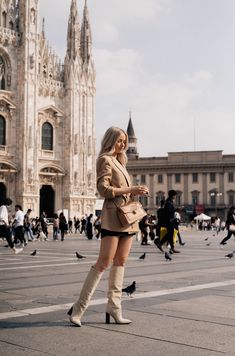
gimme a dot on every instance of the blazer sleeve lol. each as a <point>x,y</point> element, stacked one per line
<point>104,178</point>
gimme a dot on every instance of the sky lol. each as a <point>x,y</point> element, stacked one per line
<point>171,62</point>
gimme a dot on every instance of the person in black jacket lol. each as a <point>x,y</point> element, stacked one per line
<point>63,226</point>
<point>230,225</point>
<point>89,225</point>
<point>168,221</point>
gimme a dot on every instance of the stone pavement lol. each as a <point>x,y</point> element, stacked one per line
<point>182,307</point>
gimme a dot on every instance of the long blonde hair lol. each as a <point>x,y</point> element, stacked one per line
<point>108,144</point>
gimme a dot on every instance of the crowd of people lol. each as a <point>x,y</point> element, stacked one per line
<point>20,228</point>
<point>162,228</point>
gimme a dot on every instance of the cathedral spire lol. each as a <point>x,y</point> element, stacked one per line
<point>43,27</point>
<point>86,37</point>
<point>130,129</point>
<point>132,149</point>
<point>73,35</point>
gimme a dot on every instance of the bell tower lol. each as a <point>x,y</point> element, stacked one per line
<point>132,152</point>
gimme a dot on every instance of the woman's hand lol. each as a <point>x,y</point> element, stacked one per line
<point>139,190</point>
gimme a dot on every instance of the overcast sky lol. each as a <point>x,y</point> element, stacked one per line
<point>171,61</point>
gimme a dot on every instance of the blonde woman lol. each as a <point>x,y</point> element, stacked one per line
<point>113,183</point>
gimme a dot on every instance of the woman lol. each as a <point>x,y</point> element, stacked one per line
<point>55,227</point>
<point>89,230</point>
<point>113,183</point>
<point>62,225</point>
<point>230,224</point>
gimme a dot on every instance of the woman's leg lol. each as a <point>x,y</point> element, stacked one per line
<point>122,251</point>
<point>107,252</point>
<point>116,282</point>
<point>108,249</point>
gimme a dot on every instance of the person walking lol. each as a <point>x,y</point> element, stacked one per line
<point>62,225</point>
<point>70,226</point>
<point>230,225</point>
<point>113,183</point>
<point>44,224</point>
<point>83,224</point>
<point>18,225</point>
<point>55,227</point>
<point>5,230</point>
<point>89,227</point>
<point>168,221</point>
<point>76,224</point>
<point>27,226</point>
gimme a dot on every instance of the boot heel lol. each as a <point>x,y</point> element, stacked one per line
<point>107,318</point>
<point>70,311</point>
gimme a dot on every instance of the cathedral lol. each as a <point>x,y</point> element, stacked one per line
<point>47,137</point>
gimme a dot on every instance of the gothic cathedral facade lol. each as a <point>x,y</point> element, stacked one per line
<point>47,138</point>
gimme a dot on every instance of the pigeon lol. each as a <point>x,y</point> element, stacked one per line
<point>130,289</point>
<point>230,255</point>
<point>167,257</point>
<point>33,253</point>
<point>206,238</point>
<point>208,244</point>
<point>142,257</point>
<point>79,256</point>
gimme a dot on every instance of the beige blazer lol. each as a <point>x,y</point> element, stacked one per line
<point>112,174</point>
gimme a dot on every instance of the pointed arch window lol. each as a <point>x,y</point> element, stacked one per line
<point>47,136</point>
<point>2,131</point>
<point>2,74</point>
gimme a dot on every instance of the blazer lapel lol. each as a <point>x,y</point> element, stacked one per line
<point>123,170</point>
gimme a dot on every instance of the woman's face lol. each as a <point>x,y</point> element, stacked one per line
<point>120,144</point>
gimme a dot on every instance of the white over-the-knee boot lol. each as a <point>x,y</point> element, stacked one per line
<point>87,291</point>
<point>114,296</point>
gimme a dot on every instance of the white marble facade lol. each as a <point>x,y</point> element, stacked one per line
<point>47,138</point>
